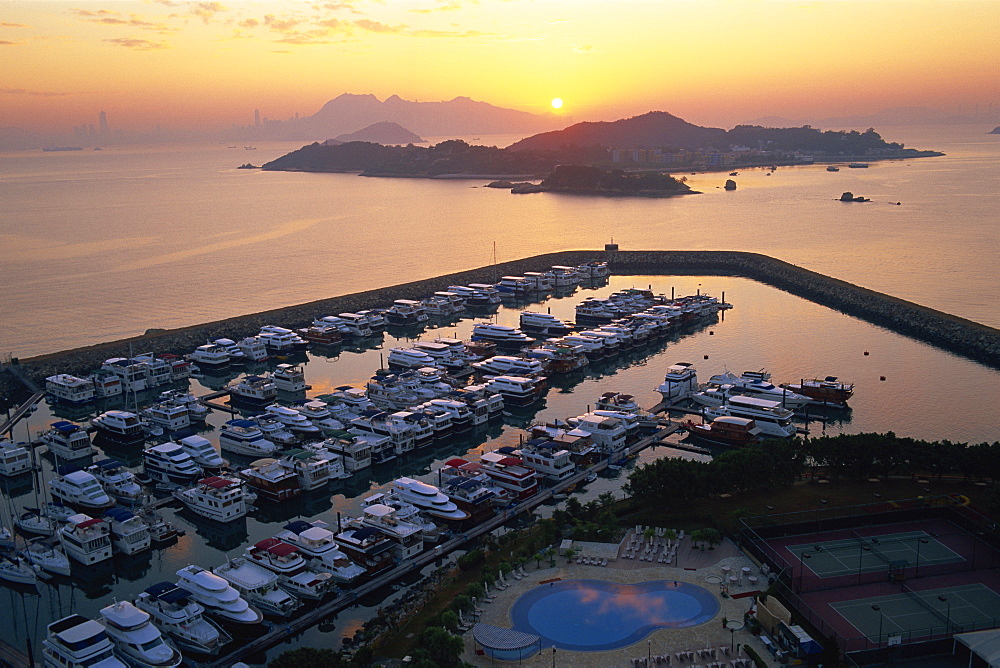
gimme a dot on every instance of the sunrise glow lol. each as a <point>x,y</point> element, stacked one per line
<point>557,103</point>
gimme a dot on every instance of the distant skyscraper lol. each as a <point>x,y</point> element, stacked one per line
<point>256,118</point>
<point>103,118</point>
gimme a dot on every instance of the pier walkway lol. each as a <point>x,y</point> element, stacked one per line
<point>28,406</point>
<point>283,630</point>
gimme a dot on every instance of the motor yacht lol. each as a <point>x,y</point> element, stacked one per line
<point>593,269</point>
<point>725,430</point>
<point>47,555</point>
<point>85,539</point>
<point>427,498</point>
<point>515,286</point>
<point>518,481</point>
<point>244,437</point>
<point>210,356</point>
<point>313,471</point>
<point>217,498</point>
<point>355,449</point>
<point>508,338</point>
<point>292,419</point>
<point>439,307</point>
<point>136,640</point>
<point>78,642</point>
<point>565,276</point>
<point>116,480</point>
<point>160,531</point>
<point>558,357</point>
<point>168,415</point>
<point>517,390</point>
<point>500,365</point>
<point>254,348</point>
<point>591,346</point>
<point>609,433</point>
<point>79,489</point>
<point>755,384</point>
<point>120,428</point>
<point>202,452</point>
<point>316,543</point>
<point>170,463</point>
<point>197,412</point>
<point>427,423</point>
<point>254,392</point>
<point>772,419</point>
<point>356,324</point>
<point>405,312</point>
<point>599,311</point>
<point>70,389</point>
<point>375,318</point>
<point>322,335</point>
<point>236,356</point>
<point>545,324</point>
<point>401,359</point>
<point>387,392</point>
<point>295,574</point>
<point>290,378</point>
<point>271,480</point>
<point>826,391</point>
<point>15,458</point>
<point>274,430</point>
<point>129,533</point>
<point>281,340</point>
<point>174,611</point>
<point>680,383</point>
<point>541,281</point>
<point>258,586</point>
<point>407,512</point>
<point>377,423</point>
<point>318,412</point>
<point>106,384</point>
<point>217,598</point>
<point>405,536</point>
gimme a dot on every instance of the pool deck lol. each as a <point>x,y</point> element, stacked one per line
<point>663,641</point>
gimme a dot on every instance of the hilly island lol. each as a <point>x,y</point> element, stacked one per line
<point>655,142</point>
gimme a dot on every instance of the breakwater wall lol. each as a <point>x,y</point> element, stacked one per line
<point>958,335</point>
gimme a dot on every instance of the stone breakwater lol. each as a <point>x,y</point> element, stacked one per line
<point>964,337</point>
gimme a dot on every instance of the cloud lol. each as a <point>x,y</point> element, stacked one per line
<point>206,10</point>
<point>444,6</point>
<point>249,23</point>
<point>447,33</point>
<point>5,24</point>
<point>281,24</point>
<point>112,18</point>
<point>583,48</point>
<point>376,26</point>
<point>31,93</point>
<point>4,42</point>
<point>337,6</point>
<point>136,43</point>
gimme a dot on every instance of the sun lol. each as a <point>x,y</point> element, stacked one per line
<point>557,103</point>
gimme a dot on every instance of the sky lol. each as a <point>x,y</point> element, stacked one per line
<point>207,64</point>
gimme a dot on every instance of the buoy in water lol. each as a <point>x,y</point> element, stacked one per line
<point>866,353</point>
<point>706,356</point>
<point>711,333</point>
<point>881,377</point>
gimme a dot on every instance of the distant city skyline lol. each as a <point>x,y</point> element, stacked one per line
<point>208,65</point>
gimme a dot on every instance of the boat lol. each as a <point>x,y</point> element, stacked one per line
<point>236,355</point>
<point>129,534</point>
<point>545,324</point>
<point>404,536</point>
<point>318,412</point>
<point>202,452</point>
<point>120,428</point>
<point>476,294</point>
<point>858,165</point>
<point>375,318</point>
<point>769,416</point>
<point>518,481</point>
<point>407,512</point>
<point>292,419</point>
<point>272,481</point>
<point>85,539</point>
<point>215,595</point>
<point>626,403</point>
<point>37,522</point>
<point>565,276</point>
<point>428,499</point>
<point>160,531</point>
<point>136,640</point>
<point>399,431</point>
<point>80,490</point>
<point>515,286</point>
<point>459,413</point>
<point>253,392</point>
<point>174,611</point>
<point>197,412</point>
<point>15,458</point>
<point>217,498</point>
<point>750,384</point>
<point>244,437</point>
<point>316,543</point>
<point>507,365</point>
<point>356,324</point>
<point>321,335</point>
<point>312,470</point>
<point>599,311</point>
<point>116,480</point>
<point>680,382</point>
<point>725,430</point>
<point>354,449</point>
<point>439,307</point>
<point>274,430</point>
<point>593,269</point>
<point>832,168</point>
<point>210,356</point>
<point>591,346</point>
<point>47,555</point>
<point>70,389</point>
<point>517,390</point>
<point>253,348</point>
<point>289,378</point>
<point>295,574</point>
<point>258,586</point>
<point>558,357</point>
<point>405,312</point>
<point>170,463</point>
<point>18,570</point>
<point>503,336</point>
<point>826,391</point>
<point>78,642</point>
<point>280,340</point>
<point>169,415</point>
<point>609,433</point>
<point>401,359</point>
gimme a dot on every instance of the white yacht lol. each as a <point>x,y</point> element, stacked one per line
<point>356,324</point>
<point>295,574</point>
<point>680,382</point>
<point>407,512</point>
<point>81,490</point>
<point>318,412</point>
<point>316,543</point>
<point>244,437</point>
<point>753,384</point>
<point>427,498</point>
<point>404,535</point>
<point>168,415</point>
<point>517,390</point>
<point>18,570</point>
<point>258,586</point>
<point>375,318</point>
<point>608,433</point>
<point>86,539</point>
<point>236,356</point>
<point>169,463</point>
<point>129,534</point>
<point>401,359</point>
<point>253,392</point>
<point>541,281</point>
<point>507,365</point>
<point>174,612</point>
<point>769,416</point>
<point>502,335</point>
<point>438,306</point>
<point>387,392</point>
<point>593,269</point>
<point>78,642</point>
<point>399,431</point>
<point>197,412</point>
<point>70,389</point>
<point>217,498</point>
<point>545,324</point>
<point>36,521</point>
<point>47,555</point>
<point>515,286</point>
<point>460,415</point>
<point>254,348</point>
<point>354,449</point>
<point>565,276</point>
<point>292,419</point>
<point>271,480</point>
<point>217,597</point>
<point>593,347</point>
<point>312,470</point>
<point>281,340</point>
<point>405,312</point>
<point>116,480</point>
<point>274,430</point>
<point>210,356</point>
<point>14,457</point>
<point>136,640</point>
<point>202,452</point>
<point>106,384</point>
<point>120,428</point>
<point>290,378</point>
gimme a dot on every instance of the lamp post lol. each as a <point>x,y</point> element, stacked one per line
<point>553,656</point>
<point>649,651</point>
<point>880,618</point>
<point>947,628</point>
<point>917,569</point>
<point>802,566</point>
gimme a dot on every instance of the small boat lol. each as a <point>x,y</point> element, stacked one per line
<point>832,168</point>
<point>258,586</point>
<point>160,531</point>
<point>80,489</point>
<point>14,458</point>
<point>136,640</point>
<point>858,165</point>
<point>67,441</point>
<point>86,539</point>
<point>18,570</point>
<point>129,534</point>
<point>217,498</point>
<point>47,555</point>
<point>725,430</point>
<point>75,641</point>
<point>176,613</point>
<point>217,597</point>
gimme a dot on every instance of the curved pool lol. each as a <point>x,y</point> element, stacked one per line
<point>596,615</point>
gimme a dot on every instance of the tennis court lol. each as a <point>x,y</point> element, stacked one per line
<point>869,554</point>
<point>883,618</point>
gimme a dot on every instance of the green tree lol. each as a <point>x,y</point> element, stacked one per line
<point>449,620</point>
<point>441,646</point>
<point>308,657</point>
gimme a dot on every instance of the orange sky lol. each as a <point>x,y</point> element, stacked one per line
<point>209,63</point>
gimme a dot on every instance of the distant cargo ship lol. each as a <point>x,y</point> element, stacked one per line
<point>62,148</point>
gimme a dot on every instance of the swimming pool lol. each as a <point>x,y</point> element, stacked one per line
<point>596,615</point>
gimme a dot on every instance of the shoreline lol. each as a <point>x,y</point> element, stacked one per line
<point>967,338</point>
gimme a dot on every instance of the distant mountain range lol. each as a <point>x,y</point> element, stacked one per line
<point>384,132</point>
<point>891,116</point>
<point>656,128</point>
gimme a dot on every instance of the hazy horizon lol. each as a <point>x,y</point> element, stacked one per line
<point>207,65</point>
